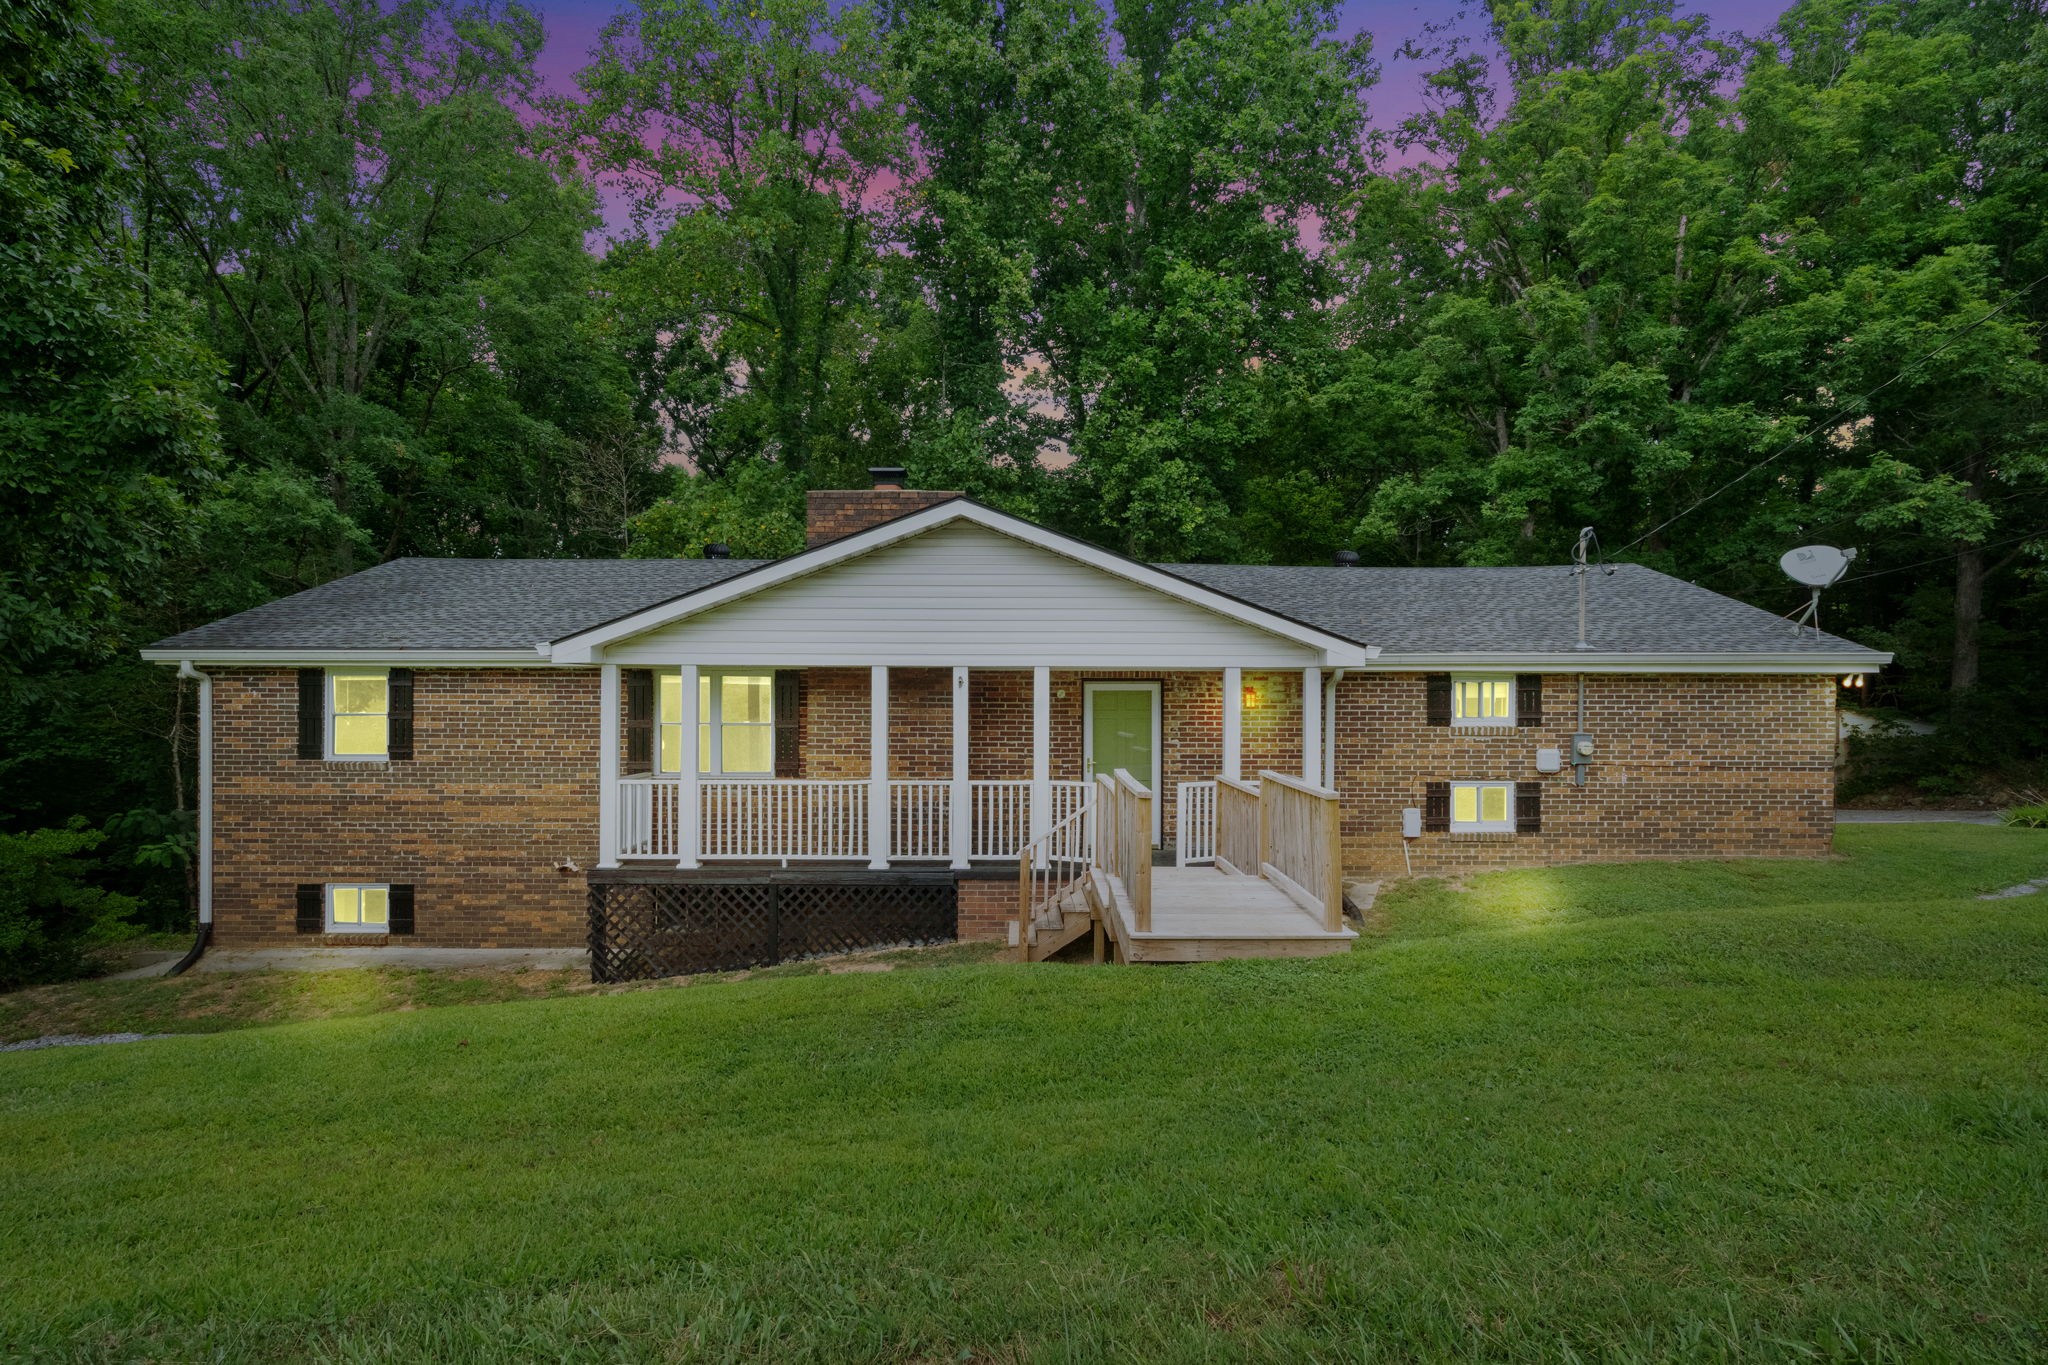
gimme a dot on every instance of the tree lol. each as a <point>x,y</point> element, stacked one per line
<point>105,428</point>
<point>392,271</point>
<point>750,134</point>
<point>1124,211</point>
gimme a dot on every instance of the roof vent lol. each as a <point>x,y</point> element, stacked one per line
<point>1345,559</point>
<point>886,475</point>
<point>716,550</point>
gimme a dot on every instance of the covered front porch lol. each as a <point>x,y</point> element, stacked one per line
<point>885,766</point>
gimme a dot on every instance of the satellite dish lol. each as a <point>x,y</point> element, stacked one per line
<point>1817,566</point>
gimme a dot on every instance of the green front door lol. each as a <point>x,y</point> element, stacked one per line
<point>1120,724</point>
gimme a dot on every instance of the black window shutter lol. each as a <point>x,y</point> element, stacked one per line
<point>1436,807</point>
<point>312,907</point>
<point>1528,698</point>
<point>312,713</point>
<point>639,720</point>
<point>1528,808</point>
<point>401,909</point>
<point>1437,707</point>
<point>399,692</point>
<point>789,700</point>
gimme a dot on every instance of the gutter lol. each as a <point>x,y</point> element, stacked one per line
<point>199,941</point>
<point>1815,661</point>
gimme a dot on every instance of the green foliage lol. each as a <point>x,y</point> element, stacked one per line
<point>1739,1111</point>
<point>767,121</point>
<point>757,513</point>
<point>50,913</point>
<point>2033,814</point>
<point>106,431</point>
<point>395,278</point>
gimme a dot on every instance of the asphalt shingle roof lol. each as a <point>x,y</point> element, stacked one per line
<point>459,604</point>
<point>1633,610</point>
<point>511,604</point>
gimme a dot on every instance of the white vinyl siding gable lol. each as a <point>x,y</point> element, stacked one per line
<point>962,594</point>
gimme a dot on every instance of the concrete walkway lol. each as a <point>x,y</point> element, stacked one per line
<point>1916,817</point>
<point>437,959</point>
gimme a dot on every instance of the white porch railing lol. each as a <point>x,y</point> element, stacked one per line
<point>748,818</point>
<point>1194,824</point>
<point>763,819</point>
<point>920,820</point>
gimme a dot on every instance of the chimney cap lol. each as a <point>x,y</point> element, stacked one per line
<point>886,475</point>
<point>1345,559</point>
<point>718,550</point>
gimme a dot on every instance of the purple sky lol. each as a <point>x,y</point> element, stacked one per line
<point>572,27</point>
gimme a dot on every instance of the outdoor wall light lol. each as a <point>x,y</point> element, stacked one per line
<point>1251,696</point>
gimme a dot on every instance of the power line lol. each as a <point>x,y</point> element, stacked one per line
<point>1943,559</point>
<point>1856,404</point>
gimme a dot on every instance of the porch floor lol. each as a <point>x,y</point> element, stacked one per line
<point>1200,914</point>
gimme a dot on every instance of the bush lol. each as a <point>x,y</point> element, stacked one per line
<point>50,914</point>
<point>2032,813</point>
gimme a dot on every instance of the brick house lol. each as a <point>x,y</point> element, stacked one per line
<point>942,707</point>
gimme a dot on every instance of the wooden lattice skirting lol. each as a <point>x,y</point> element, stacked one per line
<point>640,930</point>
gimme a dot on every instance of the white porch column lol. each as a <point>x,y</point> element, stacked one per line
<point>1233,724</point>
<point>689,823</point>
<point>960,815</point>
<point>608,767</point>
<point>878,766</point>
<point>1312,725</point>
<point>1041,752</point>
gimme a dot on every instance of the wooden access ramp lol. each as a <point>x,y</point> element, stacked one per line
<point>1094,873</point>
<point>1200,914</point>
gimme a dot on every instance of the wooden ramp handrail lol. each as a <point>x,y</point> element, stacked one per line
<point>1123,842</point>
<point>1237,826</point>
<point>1301,847</point>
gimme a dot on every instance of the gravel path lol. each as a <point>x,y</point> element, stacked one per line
<point>78,1040</point>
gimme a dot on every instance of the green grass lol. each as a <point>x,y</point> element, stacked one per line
<point>210,1002</point>
<point>1756,1111</point>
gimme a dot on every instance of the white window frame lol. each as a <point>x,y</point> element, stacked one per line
<point>711,755</point>
<point>1458,826</point>
<point>1457,679</point>
<point>327,907</point>
<point>334,714</point>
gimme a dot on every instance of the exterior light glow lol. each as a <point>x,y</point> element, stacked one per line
<point>1251,696</point>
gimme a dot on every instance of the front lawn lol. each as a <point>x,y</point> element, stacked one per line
<point>1754,1111</point>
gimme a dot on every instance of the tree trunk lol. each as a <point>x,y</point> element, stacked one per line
<point>1962,671</point>
<point>1963,657</point>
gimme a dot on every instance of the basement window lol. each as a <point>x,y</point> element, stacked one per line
<point>359,909</point>
<point>1482,807</point>
<point>1482,700</point>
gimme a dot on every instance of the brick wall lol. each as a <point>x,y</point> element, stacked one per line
<point>987,907</point>
<point>831,513</point>
<point>1685,766</point>
<point>503,787</point>
<point>505,784</point>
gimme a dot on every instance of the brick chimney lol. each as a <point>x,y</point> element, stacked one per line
<point>831,513</point>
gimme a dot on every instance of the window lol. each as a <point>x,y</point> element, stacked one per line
<point>358,909</point>
<point>1482,701</point>
<point>1482,807</point>
<point>360,707</point>
<point>735,723</point>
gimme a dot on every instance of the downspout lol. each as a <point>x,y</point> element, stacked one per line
<point>186,670</point>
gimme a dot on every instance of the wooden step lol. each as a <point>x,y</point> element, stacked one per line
<point>1051,941</point>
